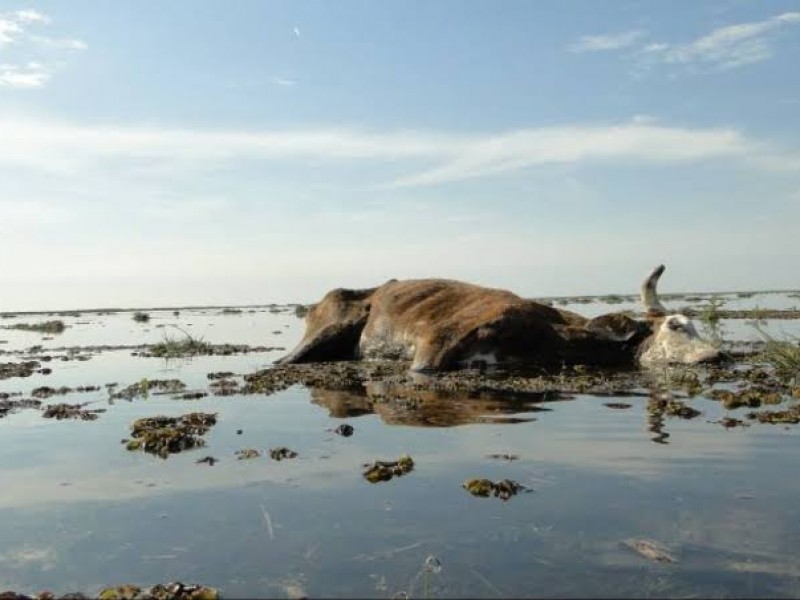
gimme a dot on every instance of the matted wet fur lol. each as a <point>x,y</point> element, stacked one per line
<point>441,324</point>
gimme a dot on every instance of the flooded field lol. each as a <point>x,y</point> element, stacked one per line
<point>263,481</point>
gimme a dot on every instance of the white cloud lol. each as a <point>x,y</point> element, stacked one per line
<point>731,46</point>
<point>9,30</point>
<point>62,43</point>
<point>32,16</point>
<point>29,76</point>
<point>284,82</point>
<point>601,43</point>
<point>14,29</point>
<point>428,157</point>
<point>721,49</point>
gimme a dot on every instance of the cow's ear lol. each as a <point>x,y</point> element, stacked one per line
<point>614,327</point>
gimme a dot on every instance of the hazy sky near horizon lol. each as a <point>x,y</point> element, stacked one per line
<point>203,152</point>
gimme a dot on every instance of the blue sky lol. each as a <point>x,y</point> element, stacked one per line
<point>198,152</point>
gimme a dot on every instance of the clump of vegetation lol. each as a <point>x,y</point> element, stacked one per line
<point>790,416</point>
<point>752,397</point>
<point>671,408</point>
<point>281,453</point>
<point>21,369</point>
<point>141,317</point>
<point>484,488</point>
<point>300,311</point>
<point>169,435</point>
<point>247,453</point>
<point>168,591</point>
<point>144,386</point>
<point>231,311</point>
<point>382,470</point>
<point>710,311</point>
<point>613,299</point>
<point>71,411</point>
<point>177,348</point>
<point>782,355</point>
<point>8,406</point>
<point>56,326</point>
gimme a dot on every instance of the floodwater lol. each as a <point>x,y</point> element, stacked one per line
<point>79,512</point>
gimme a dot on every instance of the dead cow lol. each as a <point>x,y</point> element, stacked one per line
<point>439,324</point>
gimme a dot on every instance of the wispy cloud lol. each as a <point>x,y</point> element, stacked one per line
<point>27,76</point>
<point>61,43</point>
<point>601,43</point>
<point>284,81</point>
<point>428,158</point>
<point>728,47</point>
<point>31,16</point>
<point>721,49</point>
<point>15,30</point>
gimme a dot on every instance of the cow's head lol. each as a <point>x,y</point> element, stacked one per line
<point>674,338</point>
<point>333,327</point>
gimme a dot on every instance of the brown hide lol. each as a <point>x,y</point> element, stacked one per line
<point>333,327</point>
<point>441,324</point>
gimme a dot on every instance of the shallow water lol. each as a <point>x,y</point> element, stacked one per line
<point>78,511</point>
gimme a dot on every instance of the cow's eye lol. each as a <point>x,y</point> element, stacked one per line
<point>674,325</point>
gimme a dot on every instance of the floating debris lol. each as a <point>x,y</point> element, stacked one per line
<point>144,386</point>
<point>344,430</point>
<point>8,406</point>
<point>508,457</point>
<point>790,416</point>
<point>169,591</point>
<point>384,470</point>
<point>751,397</point>
<point>71,411</point>
<point>617,405</point>
<point>650,550</point>
<point>224,387</point>
<point>247,453</point>
<point>209,460</point>
<point>43,327</point>
<point>503,489</point>
<point>730,422</point>
<point>169,435</point>
<point>671,408</point>
<point>191,396</point>
<point>21,369</point>
<point>46,391</point>
<point>221,375</point>
<point>281,453</point>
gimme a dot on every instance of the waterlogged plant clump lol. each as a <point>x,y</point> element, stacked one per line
<point>281,453</point>
<point>169,435</point>
<point>43,327</point>
<point>169,591</point>
<point>382,470</point>
<point>483,488</point>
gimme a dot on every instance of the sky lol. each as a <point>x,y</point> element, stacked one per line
<point>213,153</point>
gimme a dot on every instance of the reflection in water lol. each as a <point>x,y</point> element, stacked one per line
<point>401,405</point>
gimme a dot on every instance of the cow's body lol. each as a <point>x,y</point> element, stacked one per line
<point>441,324</point>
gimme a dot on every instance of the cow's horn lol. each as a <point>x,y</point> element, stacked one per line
<point>649,294</point>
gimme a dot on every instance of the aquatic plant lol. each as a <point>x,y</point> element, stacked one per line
<point>175,348</point>
<point>782,355</point>
<point>55,326</point>
<point>141,317</point>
